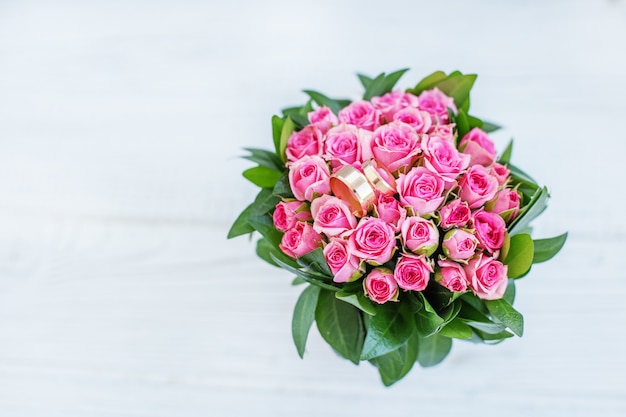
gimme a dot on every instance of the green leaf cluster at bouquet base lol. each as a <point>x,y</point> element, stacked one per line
<point>410,326</point>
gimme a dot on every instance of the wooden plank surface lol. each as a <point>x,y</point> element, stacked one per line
<point>120,127</point>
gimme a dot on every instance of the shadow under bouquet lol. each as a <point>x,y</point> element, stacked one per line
<point>395,210</point>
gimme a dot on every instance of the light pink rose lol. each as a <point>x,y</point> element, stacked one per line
<point>443,158</point>
<point>390,103</point>
<point>343,145</point>
<point>307,141</point>
<point>452,276</point>
<point>287,213</point>
<point>445,132</point>
<point>373,240</point>
<point>454,214</point>
<point>300,240</point>
<point>500,172</point>
<point>490,230</point>
<point>309,176</point>
<point>389,209</point>
<point>477,144</point>
<point>361,114</point>
<point>459,245</point>
<point>418,119</point>
<point>345,266</point>
<point>506,204</point>
<point>412,272</point>
<point>487,277</point>
<point>436,103</point>
<point>478,186</point>
<point>395,146</point>
<point>422,190</point>
<point>380,286</point>
<point>419,235</point>
<point>323,117</point>
<point>332,216</point>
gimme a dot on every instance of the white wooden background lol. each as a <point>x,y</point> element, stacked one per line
<point>120,128</point>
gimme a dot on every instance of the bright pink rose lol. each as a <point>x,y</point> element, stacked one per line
<point>506,204</point>
<point>373,240</point>
<point>361,114</point>
<point>477,144</point>
<point>332,216</point>
<point>323,117</point>
<point>307,141</point>
<point>288,213</point>
<point>490,230</point>
<point>459,245</point>
<point>345,266</point>
<point>478,186</point>
<point>300,240</point>
<point>445,132</point>
<point>380,286</point>
<point>395,145</point>
<point>436,103</point>
<point>390,210</point>
<point>422,190</point>
<point>500,172</point>
<point>412,272</point>
<point>419,235</point>
<point>454,214</point>
<point>343,145</point>
<point>442,157</point>
<point>309,176</point>
<point>452,276</point>
<point>487,277</point>
<point>417,119</point>
<point>390,103</point>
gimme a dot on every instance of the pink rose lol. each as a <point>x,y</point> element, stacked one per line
<point>500,172</point>
<point>487,277</point>
<point>345,266</point>
<point>323,117</point>
<point>361,114</point>
<point>412,272</point>
<point>307,141</point>
<point>459,245</point>
<point>445,132</point>
<point>478,186</point>
<point>481,149</point>
<point>395,145</point>
<point>287,214</point>
<point>380,286</point>
<point>454,214</point>
<point>419,235</point>
<point>332,216</point>
<point>417,119</point>
<point>343,145</point>
<point>422,190</point>
<point>490,230</point>
<point>442,157</point>
<point>452,276</point>
<point>389,210</point>
<point>390,103</point>
<point>300,240</point>
<point>309,176</point>
<point>436,103</point>
<point>506,204</point>
<point>373,240</point>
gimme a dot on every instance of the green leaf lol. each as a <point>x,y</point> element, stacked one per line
<point>520,256</point>
<point>316,261</point>
<point>267,251</point>
<point>545,249</point>
<point>282,187</point>
<point>492,338</point>
<point>394,365</point>
<point>303,317</point>
<point>489,127</point>
<point>287,130</point>
<point>365,80</point>
<point>474,122</point>
<point>457,329</point>
<point>428,82</point>
<point>262,177</point>
<point>458,87</point>
<point>382,84</point>
<point>264,224</point>
<point>241,226</point>
<point>333,104</point>
<point>433,350</point>
<point>310,277</point>
<point>277,128</point>
<point>506,155</point>
<point>485,326</point>
<point>264,202</point>
<point>504,312</point>
<point>358,300</point>
<point>341,326</point>
<point>509,294</point>
<point>462,123</point>
<point>265,158</point>
<point>298,281</point>
<point>427,320</point>
<point>535,207</point>
<point>386,331</point>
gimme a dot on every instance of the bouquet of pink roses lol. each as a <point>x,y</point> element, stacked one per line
<point>396,210</point>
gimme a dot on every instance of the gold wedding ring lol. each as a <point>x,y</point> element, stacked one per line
<point>350,185</point>
<point>379,177</point>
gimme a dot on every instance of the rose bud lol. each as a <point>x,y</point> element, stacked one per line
<point>380,286</point>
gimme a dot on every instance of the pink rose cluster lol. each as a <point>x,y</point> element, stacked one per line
<point>443,220</point>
